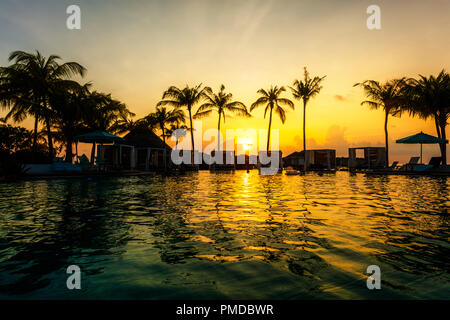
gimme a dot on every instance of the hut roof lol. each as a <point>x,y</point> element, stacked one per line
<point>145,138</point>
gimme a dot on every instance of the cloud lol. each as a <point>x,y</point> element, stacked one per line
<point>259,13</point>
<point>339,97</point>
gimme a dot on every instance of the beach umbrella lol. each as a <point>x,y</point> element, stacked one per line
<point>421,138</point>
<point>98,136</point>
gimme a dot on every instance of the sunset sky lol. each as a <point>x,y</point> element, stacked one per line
<point>137,49</point>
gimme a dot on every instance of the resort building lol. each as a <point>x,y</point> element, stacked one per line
<point>319,159</point>
<point>366,158</point>
<point>141,149</point>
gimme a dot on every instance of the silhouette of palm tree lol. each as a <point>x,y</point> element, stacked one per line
<point>102,113</point>
<point>69,113</point>
<point>430,97</point>
<point>32,79</point>
<point>187,98</point>
<point>220,102</point>
<point>305,90</point>
<point>178,129</point>
<point>271,100</point>
<point>389,96</point>
<point>161,118</point>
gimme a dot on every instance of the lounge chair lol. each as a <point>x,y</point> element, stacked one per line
<point>393,166</point>
<point>434,163</point>
<point>410,165</point>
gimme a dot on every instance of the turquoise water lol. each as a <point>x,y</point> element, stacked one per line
<point>232,235</point>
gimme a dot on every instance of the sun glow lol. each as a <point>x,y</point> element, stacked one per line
<point>246,143</point>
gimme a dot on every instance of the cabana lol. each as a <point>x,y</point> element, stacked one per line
<point>141,149</point>
<point>318,159</point>
<point>373,158</point>
<point>97,136</point>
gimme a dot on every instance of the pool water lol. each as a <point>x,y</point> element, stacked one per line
<point>226,236</point>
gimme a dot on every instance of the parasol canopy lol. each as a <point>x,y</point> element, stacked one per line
<point>421,138</point>
<point>98,136</point>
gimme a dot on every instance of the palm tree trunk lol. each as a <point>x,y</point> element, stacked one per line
<point>93,153</point>
<point>439,134</point>
<point>443,145</point>
<point>192,137</point>
<point>49,132</point>
<point>436,121</point>
<point>386,137</point>
<point>304,135</point>
<point>69,154</point>
<point>268,133</point>
<point>218,133</point>
<point>49,137</point>
<point>35,134</point>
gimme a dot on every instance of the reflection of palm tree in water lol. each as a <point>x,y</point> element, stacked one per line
<point>170,229</point>
<point>71,230</point>
<point>299,260</point>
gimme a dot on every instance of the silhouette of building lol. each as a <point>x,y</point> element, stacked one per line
<point>319,159</point>
<point>142,149</point>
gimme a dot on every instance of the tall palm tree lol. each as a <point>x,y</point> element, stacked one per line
<point>389,96</point>
<point>271,100</point>
<point>184,98</point>
<point>35,78</point>
<point>162,118</point>
<point>429,97</point>
<point>220,102</point>
<point>305,90</point>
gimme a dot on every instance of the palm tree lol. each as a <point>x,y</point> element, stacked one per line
<point>161,118</point>
<point>271,100</point>
<point>187,98</point>
<point>429,97</point>
<point>221,102</point>
<point>179,130</point>
<point>69,108</point>
<point>305,90</point>
<point>103,112</point>
<point>126,124</point>
<point>16,97</point>
<point>389,96</point>
<point>34,78</point>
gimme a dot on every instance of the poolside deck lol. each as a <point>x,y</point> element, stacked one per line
<point>441,172</point>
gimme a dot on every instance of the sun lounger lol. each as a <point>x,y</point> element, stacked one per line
<point>393,165</point>
<point>435,162</point>
<point>410,165</point>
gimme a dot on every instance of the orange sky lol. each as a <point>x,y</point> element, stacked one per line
<point>137,49</point>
